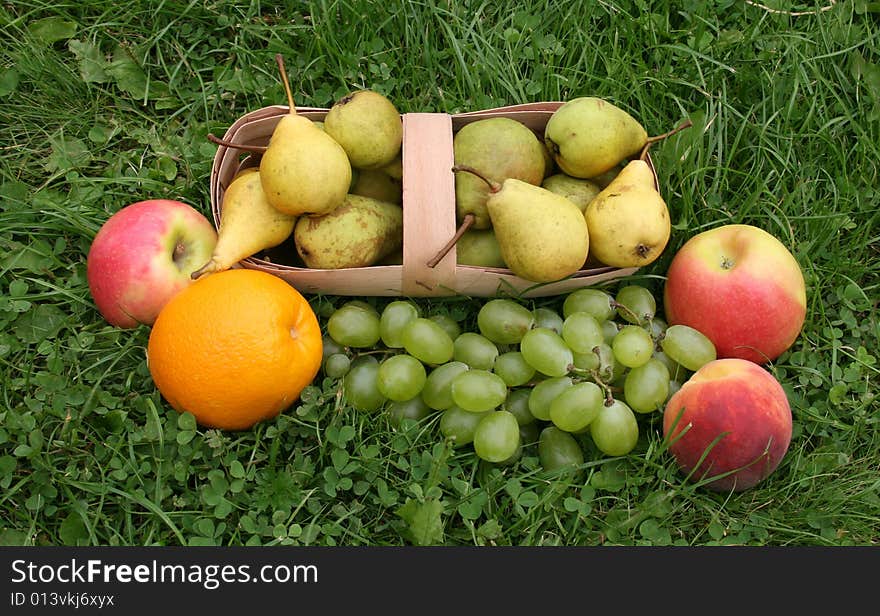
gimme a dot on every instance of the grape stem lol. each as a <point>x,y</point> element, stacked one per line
<point>620,306</point>
<point>609,396</point>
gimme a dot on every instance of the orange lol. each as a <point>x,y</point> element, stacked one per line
<point>234,348</point>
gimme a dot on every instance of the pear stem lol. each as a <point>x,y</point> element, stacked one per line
<point>493,186</point>
<point>279,59</point>
<point>466,224</point>
<point>467,221</point>
<point>207,268</point>
<point>686,124</point>
<point>257,149</point>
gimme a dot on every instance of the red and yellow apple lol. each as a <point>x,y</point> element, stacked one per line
<point>143,255</point>
<point>736,414</point>
<point>741,287</point>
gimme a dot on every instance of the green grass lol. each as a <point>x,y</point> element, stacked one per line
<point>101,106</point>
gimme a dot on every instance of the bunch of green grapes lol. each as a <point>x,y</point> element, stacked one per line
<point>522,376</point>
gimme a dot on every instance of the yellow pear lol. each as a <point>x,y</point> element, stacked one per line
<point>500,148</point>
<point>304,170</point>
<point>580,190</point>
<point>360,232</point>
<point>628,220</point>
<point>542,235</point>
<point>479,247</point>
<point>589,135</point>
<point>367,125</point>
<point>378,185</point>
<point>248,224</point>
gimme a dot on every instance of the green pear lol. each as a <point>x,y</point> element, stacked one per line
<point>377,184</point>
<point>604,179</point>
<point>479,247</point>
<point>589,135</point>
<point>543,236</point>
<point>248,224</point>
<point>500,148</point>
<point>304,170</point>
<point>549,162</point>
<point>581,191</point>
<point>628,221</point>
<point>395,167</point>
<point>360,232</point>
<point>368,127</point>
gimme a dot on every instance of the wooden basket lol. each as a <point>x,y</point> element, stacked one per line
<point>428,213</point>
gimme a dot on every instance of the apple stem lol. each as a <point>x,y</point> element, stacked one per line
<point>466,224</point>
<point>256,149</point>
<point>179,251</point>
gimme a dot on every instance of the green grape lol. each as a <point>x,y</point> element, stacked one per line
<point>359,303</point>
<point>414,409</point>
<point>517,403</point>
<point>449,325</point>
<point>582,332</point>
<point>543,393</point>
<point>577,406</point>
<point>475,350</point>
<point>586,361</point>
<point>513,369</point>
<point>658,329</point>
<point>516,454</point>
<point>609,368</point>
<point>401,377</point>
<point>635,304</point>
<point>352,325</point>
<point>609,330</point>
<point>437,392</point>
<point>615,430</point>
<point>593,301</point>
<point>646,388</point>
<point>632,346</point>
<point>504,321</point>
<point>322,307</point>
<point>337,365</point>
<point>688,347</point>
<point>360,385</point>
<point>392,321</point>
<point>427,341</point>
<point>330,347</point>
<point>478,390</point>
<point>558,449</point>
<point>496,437</point>
<point>546,352</point>
<point>676,371</point>
<point>528,433</point>
<point>458,425</point>
<point>549,318</point>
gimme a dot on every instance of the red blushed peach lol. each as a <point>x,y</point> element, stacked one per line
<point>736,414</point>
<point>741,287</point>
<point>143,255</point>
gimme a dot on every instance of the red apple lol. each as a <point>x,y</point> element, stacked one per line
<point>735,413</point>
<point>742,288</point>
<point>143,255</point>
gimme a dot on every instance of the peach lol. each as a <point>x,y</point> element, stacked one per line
<point>735,413</point>
<point>741,287</point>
